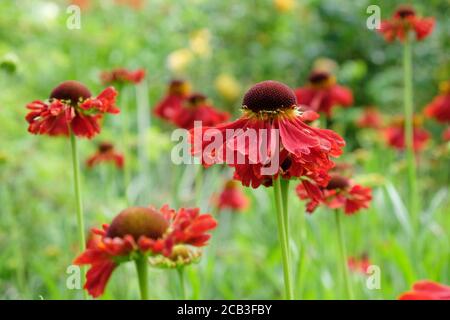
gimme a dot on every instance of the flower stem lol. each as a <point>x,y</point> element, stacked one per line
<point>199,185</point>
<point>124,126</point>
<point>343,255</point>
<point>77,187</point>
<point>282,238</point>
<point>143,124</point>
<point>284,183</point>
<point>409,130</point>
<point>78,197</point>
<point>142,272</point>
<point>180,272</point>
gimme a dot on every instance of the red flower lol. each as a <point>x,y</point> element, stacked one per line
<point>122,76</point>
<point>232,197</point>
<point>177,93</point>
<point>446,134</point>
<point>439,108</point>
<point>395,134</point>
<point>134,4</point>
<point>322,93</point>
<point>269,140</point>
<point>93,239</point>
<point>403,21</point>
<point>196,108</point>
<point>139,231</point>
<point>427,290</point>
<point>71,106</point>
<point>340,193</point>
<point>106,153</point>
<point>370,118</point>
<point>359,264</point>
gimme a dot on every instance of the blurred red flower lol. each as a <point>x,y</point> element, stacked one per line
<point>370,118</point>
<point>122,76</point>
<point>197,108</point>
<point>395,134</point>
<point>439,108</point>
<point>83,4</point>
<point>232,197</point>
<point>270,108</point>
<point>359,264</point>
<point>322,93</point>
<point>446,134</point>
<point>140,231</point>
<point>427,290</point>
<point>106,153</point>
<point>177,93</point>
<point>134,4</point>
<point>340,193</point>
<point>71,108</point>
<point>403,21</point>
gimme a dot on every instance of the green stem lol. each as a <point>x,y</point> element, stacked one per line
<point>79,203</point>
<point>343,255</point>
<point>77,187</point>
<point>180,272</point>
<point>409,131</point>
<point>124,128</point>
<point>284,183</point>
<point>143,124</point>
<point>199,185</point>
<point>302,248</point>
<point>142,272</point>
<point>282,238</point>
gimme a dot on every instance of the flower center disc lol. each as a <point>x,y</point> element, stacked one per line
<point>321,79</point>
<point>337,182</point>
<point>196,99</point>
<point>405,11</point>
<point>137,222</point>
<point>105,147</point>
<point>269,96</point>
<point>179,87</point>
<point>72,91</point>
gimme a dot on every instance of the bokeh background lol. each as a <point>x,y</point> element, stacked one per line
<point>222,48</point>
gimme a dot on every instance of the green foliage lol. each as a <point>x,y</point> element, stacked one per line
<point>251,41</point>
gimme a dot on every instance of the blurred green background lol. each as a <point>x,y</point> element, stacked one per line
<point>221,47</point>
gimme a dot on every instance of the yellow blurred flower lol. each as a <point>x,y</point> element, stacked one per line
<point>371,180</point>
<point>325,64</point>
<point>52,251</point>
<point>199,43</point>
<point>444,87</point>
<point>179,60</point>
<point>227,86</point>
<point>361,155</point>
<point>284,5</point>
<point>181,256</point>
<point>3,157</point>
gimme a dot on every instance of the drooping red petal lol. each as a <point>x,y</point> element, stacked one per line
<point>439,108</point>
<point>85,125</point>
<point>423,27</point>
<point>169,106</point>
<point>232,198</point>
<point>184,117</point>
<point>97,277</point>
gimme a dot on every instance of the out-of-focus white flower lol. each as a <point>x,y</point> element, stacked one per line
<point>45,12</point>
